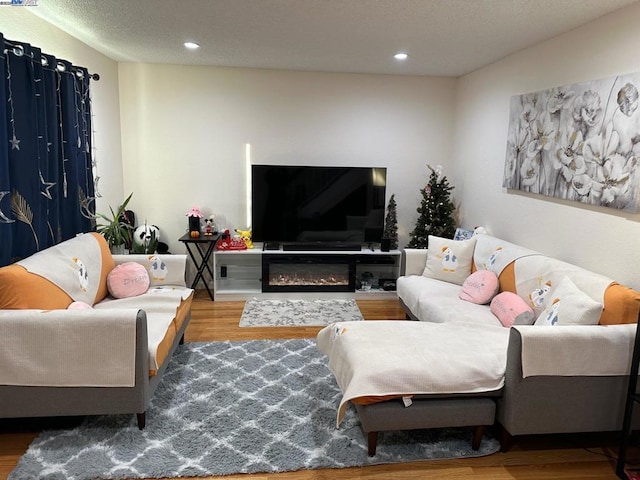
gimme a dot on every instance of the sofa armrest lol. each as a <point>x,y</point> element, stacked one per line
<point>414,260</point>
<point>72,348</point>
<point>164,269</point>
<point>563,403</point>
<point>576,350</point>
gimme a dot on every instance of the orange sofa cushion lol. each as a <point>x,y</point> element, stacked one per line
<point>20,289</point>
<point>621,305</point>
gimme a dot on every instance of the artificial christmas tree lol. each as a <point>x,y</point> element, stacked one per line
<point>436,211</point>
<point>391,224</point>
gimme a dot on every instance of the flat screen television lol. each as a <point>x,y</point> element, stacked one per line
<point>317,204</point>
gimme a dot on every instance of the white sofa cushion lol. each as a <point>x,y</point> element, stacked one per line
<point>568,305</point>
<point>449,260</point>
<point>160,304</point>
<point>411,288</point>
<point>451,309</point>
<point>437,301</point>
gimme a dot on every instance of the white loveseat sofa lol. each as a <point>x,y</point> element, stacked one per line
<point>106,358</point>
<point>459,359</point>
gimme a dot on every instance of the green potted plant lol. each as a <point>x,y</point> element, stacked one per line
<point>114,228</point>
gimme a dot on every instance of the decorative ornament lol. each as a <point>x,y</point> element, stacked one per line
<point>194,216</point>
<point>245,236</point>
<point>228,243</point>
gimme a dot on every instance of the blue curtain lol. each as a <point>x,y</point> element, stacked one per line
<point>46,170</point>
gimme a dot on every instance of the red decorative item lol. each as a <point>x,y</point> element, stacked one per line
<point>228,243</point>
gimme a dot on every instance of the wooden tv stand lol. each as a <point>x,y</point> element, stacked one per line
<point>244,274</point>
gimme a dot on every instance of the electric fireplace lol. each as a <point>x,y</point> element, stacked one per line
<point>308,273</point>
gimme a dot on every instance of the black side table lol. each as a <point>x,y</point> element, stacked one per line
<point>205,245</point>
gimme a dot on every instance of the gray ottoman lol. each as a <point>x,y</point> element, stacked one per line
<point>391,415</point>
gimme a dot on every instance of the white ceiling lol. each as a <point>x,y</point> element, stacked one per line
<point>442,37</point>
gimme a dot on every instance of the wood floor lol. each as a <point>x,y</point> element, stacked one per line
<point>563,457</point>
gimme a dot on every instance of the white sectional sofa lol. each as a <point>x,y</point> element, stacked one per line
<point>107,355</point>
<point>555,376</point>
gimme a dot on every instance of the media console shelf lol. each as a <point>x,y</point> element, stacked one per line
<point>243,274</point>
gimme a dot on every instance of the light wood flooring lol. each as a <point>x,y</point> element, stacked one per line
<point>562,457</point>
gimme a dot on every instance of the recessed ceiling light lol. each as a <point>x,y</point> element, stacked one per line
<point>191,45</point>
<point>400,56</point>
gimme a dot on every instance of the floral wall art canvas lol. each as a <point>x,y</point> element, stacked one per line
<point>578,142</point>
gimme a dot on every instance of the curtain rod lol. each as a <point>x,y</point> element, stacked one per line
<point>18,51</point>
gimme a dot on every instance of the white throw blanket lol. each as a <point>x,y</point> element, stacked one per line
<point>495,254</point>
<point>68,348</point>
<point>371,358</point>
<point>75,266</point>
<point>593,350</point>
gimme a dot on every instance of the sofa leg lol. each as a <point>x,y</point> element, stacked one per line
<point>372,442</point>
<point>477,437</point>
<point>142,420</point>
<point>506,440</point>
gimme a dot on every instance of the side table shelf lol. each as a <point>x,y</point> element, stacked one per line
<point>238,272</point>
<point>204,245</point>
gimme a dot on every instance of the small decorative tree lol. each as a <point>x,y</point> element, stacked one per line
<point>391,224</point>
<point>436,211</point>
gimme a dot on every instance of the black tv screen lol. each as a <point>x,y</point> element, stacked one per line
<point>317,204</point>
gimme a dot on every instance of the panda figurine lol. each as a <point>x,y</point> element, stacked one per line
<point>145,238</point>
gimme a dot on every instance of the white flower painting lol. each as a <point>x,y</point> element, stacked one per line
<point>579,142</point>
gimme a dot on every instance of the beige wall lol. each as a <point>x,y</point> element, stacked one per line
<point>20,24</point>
<point>601,239</point>
<point>185,130</point>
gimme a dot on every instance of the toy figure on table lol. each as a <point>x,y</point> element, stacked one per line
<point>245,236</point>
<point>209,228</point>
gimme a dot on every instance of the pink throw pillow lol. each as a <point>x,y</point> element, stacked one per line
<point>511,309</point>
<point>128,280</point>
<point>480,287</point>
<point>79,306</point>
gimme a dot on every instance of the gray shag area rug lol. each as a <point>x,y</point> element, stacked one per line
<point>288,313</point>
<point>234,407</point>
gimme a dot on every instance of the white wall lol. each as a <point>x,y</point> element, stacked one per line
<point>20,24</point>
<point>601,239</point>
<point>185,131</point>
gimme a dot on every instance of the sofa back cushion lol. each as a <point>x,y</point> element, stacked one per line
<point>20,289</point>
<point>621,305</point>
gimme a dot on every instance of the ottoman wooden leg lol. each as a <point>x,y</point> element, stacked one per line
<point>372,442</point>
<point>477,437</point>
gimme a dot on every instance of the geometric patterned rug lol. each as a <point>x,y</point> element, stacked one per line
<point>281,313</point>
<point>234,407</point>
